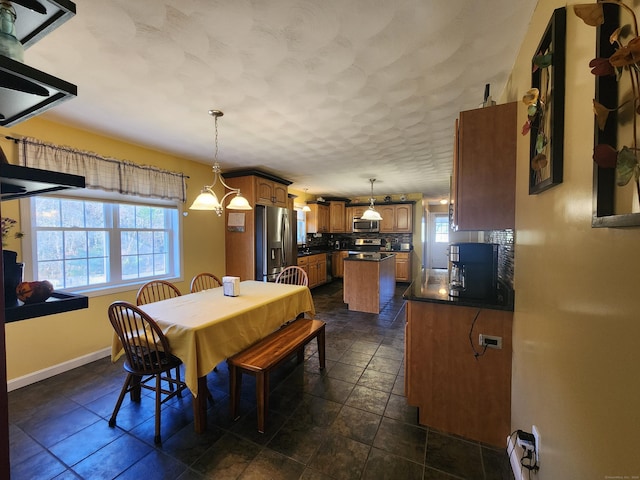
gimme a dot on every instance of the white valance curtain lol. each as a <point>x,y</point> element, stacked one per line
<point>104,173</point>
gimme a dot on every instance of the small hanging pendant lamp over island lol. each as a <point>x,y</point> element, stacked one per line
<point>371,213</point>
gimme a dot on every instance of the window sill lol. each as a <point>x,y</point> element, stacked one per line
<point>59,302</point>
<point>125,287</point>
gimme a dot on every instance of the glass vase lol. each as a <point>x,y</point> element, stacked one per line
<point>10,46</point>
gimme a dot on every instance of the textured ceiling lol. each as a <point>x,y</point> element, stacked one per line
<point>325,93</point>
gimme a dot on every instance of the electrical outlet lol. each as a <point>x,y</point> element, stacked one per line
<point>490,341</point>
<point>517,446</point>
<point>536,435</point>
<point>526,440</point>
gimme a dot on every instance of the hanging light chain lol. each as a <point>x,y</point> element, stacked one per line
<point>371,198</point>
<point>215,114</point>
<point>216,168</point>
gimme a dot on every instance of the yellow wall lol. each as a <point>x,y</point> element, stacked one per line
<point>577,315</point>
<point>39,343</point>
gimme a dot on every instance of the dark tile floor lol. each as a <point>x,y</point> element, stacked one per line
<point>349,422</point>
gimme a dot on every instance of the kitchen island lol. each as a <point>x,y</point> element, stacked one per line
<point>369,280</point>
<point>459,386</point>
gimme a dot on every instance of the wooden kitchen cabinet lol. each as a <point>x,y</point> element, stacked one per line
<point>337,212</point>
<point>351,213</point>
<point>318,218</point>
<point>337,263</point>
<point>369,284</point>
<point>356,212</point>
<point>259,188</point>
<point>312,273</point>
<point>396,218</point>
<point>455,391</point>
<point>403,266</point>
<point>269,192</point>
<point>321,261</point>
<point>388,214</point>
<point>485,168</point>
<point>404,218</point>
<point>316,268</point>
<point>303,263</point>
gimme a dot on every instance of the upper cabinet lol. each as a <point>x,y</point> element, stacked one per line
<point>388,214</point>
<point>397,218</point>
<point>404,218</point>
<point>484,170</point>
<point>337,213</point>
<point>318,218</point>
<point>260,188</point>
<point>269,192</point>
<point>351,213</point>
<point>25,91</point>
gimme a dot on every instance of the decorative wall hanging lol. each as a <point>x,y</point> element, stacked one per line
<point>545,107</point>
<point>616,170</point>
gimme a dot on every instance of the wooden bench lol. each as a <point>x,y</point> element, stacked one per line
<point>260,358</point>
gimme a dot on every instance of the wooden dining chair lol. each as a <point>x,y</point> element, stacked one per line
<point>147,357</point>
<point>293,276</point>
<point>156,290</point>
<point>204,281</point>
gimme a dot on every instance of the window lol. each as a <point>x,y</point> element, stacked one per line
<point>301,228</point>
<point>442,229</point>
<point>82,243</point>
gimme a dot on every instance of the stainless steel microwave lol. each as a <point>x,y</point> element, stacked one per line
<point>363,226</point>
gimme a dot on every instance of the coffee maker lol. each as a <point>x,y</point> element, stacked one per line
<point>474,270</point>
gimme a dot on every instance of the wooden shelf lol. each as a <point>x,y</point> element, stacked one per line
<point>16,105</point>
<point>17,181</point>
<point>31,26</point>
<point>28,91</point>
<point>58,302</point>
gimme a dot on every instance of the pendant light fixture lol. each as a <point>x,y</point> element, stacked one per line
<point>371,213</point>
<point>208,200</point>
<point>306,207</point>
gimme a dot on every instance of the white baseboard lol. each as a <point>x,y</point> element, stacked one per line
<point>34,377</point>
<point>515,453</point>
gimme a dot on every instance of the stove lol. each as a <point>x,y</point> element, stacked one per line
<point>367,245</point>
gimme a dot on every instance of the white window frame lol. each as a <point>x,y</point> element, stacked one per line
<point>437,233</point>
<point>29,240</point>
<point>299,208</point>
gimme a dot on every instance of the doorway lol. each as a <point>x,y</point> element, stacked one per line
<point>439,240</point>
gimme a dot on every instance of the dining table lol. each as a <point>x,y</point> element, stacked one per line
<point>207,327</point>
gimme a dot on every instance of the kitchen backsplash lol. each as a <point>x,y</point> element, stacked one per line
<point>505,240</point>
<point>327,240</point>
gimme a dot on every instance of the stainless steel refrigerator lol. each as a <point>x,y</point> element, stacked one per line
<point>275,241</point>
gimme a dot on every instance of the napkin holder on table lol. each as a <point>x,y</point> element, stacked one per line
<point>231,286</point>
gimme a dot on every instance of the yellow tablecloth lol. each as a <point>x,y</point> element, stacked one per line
<point>207,327</point>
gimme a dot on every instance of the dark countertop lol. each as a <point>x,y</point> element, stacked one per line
<point>369,256</point>
<point>312,252</point>
<point>350,249</point>
<point>432,286</point>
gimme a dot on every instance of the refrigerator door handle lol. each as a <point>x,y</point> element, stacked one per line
<point>285,243</point>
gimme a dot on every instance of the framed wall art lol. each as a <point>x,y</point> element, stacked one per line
<point>616,189</point>
<point>545,106</point>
